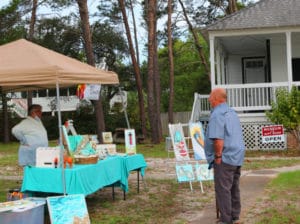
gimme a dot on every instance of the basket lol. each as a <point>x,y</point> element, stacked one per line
<point>86,159</point>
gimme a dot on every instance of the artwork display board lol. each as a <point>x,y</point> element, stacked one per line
<point>197,136</point>
<point>130,141</point>
<point>203,173</point>
<point>185,173</point>
<point>68,209</point>
<point>178,141</point>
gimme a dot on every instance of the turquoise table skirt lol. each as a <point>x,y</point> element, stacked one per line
<point>83,179</point>
<point>135,162</point>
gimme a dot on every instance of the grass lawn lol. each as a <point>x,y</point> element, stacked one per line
<point>282,204</point>
<point>161,200</point>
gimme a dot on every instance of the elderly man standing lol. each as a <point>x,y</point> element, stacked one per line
<point>32,134</point>
<point>225,149</point>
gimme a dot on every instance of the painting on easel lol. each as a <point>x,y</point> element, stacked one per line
<point>178,141</point>
<point>185,173</point>
<point>203,173</point>
<point>197,136</point>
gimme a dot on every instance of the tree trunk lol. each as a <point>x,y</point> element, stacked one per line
<point>86,32</point>
<point>137,52</point>
<point>136,69</point>
<point>157,90</point>
<point>232,7</point>
<point>31,36</point>
<point>5,119</point>
<point>84,15</point>
<point>196,41</point>
<point>171,63</point>
<point>151,16</point>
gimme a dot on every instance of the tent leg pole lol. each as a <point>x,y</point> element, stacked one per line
<point>60,138</point>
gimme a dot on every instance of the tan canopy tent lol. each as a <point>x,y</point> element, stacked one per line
<point>27,66</point>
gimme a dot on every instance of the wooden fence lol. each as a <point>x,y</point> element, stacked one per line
<point>179,117</point>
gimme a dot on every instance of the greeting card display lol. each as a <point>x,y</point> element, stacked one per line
<point>130,141</point>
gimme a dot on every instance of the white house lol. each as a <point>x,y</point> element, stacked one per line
<point>252,53</point>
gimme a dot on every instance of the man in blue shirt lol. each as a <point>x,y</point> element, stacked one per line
<point>225,148</point>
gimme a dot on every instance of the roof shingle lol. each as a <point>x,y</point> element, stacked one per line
<point>264,14</point>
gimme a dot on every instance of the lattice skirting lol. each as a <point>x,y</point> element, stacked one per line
<point>253,136</point>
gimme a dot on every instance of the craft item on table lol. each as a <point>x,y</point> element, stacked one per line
<point>107,137</point>
<point>68,160</point>
<point>79,159</point>
<point>47,157</point>
<point>84,153</point>
<point>104,150</point>
<point>93,140</point>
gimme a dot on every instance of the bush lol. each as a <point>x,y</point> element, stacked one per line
<point>286,111</point>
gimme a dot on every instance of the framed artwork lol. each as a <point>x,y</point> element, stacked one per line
<point>178,141</point>
<point>130,142</point>
<point>185,173</point>
<point>197,136</point>
<point>107,137</point>
<point>68,209</point>
<point>203,173</point>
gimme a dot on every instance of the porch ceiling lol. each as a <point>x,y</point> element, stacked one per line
<point>244,44</point>
<point>252,44</point>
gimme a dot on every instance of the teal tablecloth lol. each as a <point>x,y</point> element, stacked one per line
<point>135,162</point>
<point>83,179</point>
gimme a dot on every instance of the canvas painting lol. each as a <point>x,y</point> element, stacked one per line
<point>203,173</point>
<point>178,141</point>
<point>68,209</point>
<point>107,137</point>
<point>197,136</point>
<point>130,142</point>
<point>185,173</point>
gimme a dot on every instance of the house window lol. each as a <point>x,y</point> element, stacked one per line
<point>296,69</point>
<point>254,64</point>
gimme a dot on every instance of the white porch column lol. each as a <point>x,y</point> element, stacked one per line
<point>218,64</point>
<point>212,60</point>
<point>289,58</point>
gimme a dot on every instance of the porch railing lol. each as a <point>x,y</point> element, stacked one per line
<point>245,97</point>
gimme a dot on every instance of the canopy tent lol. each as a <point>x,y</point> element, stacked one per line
<point>28,66</point>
